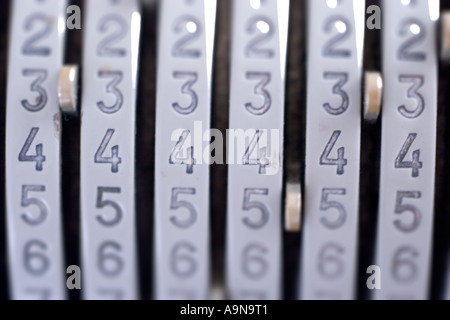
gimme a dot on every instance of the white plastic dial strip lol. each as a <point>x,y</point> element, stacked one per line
<point>258,61</point>
<point>110,61</point>
<point>330,229</point>
<point>408,146</point>
<point>183,110</point>
<point>33,153</point>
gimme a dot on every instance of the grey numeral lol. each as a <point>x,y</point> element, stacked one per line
<point>415,164</point>
<point>250,295</point>
<point>187,89</point>
<point>254,264</point>
<point>111,87</point>
<point>192,29</point>
<point>330,264</point>
<point>342,78</point>
<point>183,294</point>
<point>417,82</point>
<point>404,269</point>
<point>261,158</point>
<point>41,100</point>
<point>325,205</point>
<point>327,295</point>
<point>175,155</point>
<point>114,294</point>
<point>265,31</point>
<point>183,265</point>
<point>176,204</point>
<point>110,264</point>
<point>340,161</point>
<point>401,208</point>
<point>101,203</point>
<point>114,159</point>
<point>41,293</point>
<point>104,48</point>
<point>329,49</point>
<point>29,46</point>
<point>26,202</point>
<point>39,158</point>
<point>36,263</point>
<point>264,78</point>
<point>248,205</point>
<point>404,51</point>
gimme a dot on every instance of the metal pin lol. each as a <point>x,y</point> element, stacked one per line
<point>445,36</point>
<point>217,291</point>
<point>373,92</point>
<point>292,207</point>
<point>68,89</point>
